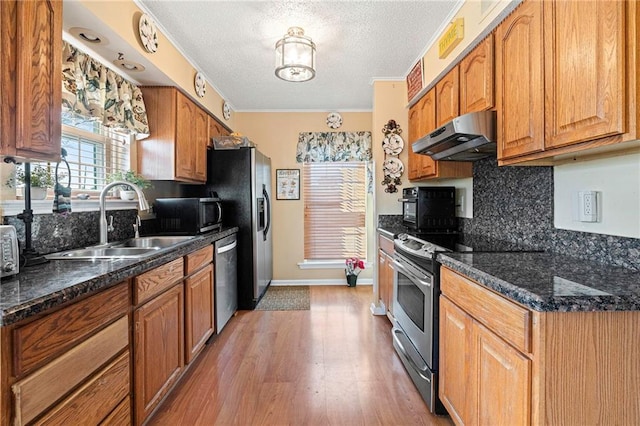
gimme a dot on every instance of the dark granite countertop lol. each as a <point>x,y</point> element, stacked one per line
<point>39,288</point>
<point>551,282</point>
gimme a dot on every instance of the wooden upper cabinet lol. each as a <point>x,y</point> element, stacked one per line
<point>422,120</point>
<point>414,134</point>
<point>585,70</point>
<point>519,81</point>
<point>476,78</point>
<point>31,75</point>
<point>176,149</point>
<point>427,110</point>
<point>447,97</point>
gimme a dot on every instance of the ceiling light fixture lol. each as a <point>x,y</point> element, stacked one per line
<point>295,56</point>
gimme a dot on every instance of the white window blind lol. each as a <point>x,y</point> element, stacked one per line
<point>92,157</point>
<point>334,210</point>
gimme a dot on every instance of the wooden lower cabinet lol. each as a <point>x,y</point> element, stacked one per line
<point>455,370</point>
<point>503,376</point>
<point>385,273</point>
<point>560,368</point>
<point>199,311</point>
<point>158,349</point>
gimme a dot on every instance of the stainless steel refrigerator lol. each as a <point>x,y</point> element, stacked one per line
<point>242,179</point>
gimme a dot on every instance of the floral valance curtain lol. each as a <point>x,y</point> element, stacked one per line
<point>315,147</point>
<point>94,92</point>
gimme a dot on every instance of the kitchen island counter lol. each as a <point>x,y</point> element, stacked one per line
<point>39,288</point>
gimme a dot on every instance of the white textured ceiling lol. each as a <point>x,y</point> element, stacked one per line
<point>232,44</point>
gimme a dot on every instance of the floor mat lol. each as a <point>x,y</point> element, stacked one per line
<point>285,298</point>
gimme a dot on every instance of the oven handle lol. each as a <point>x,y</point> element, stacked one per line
<point>407,200</point>
<point>408,273</point>
<point>415,367</point>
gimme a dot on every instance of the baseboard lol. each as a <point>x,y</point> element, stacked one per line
<point>336,282</point>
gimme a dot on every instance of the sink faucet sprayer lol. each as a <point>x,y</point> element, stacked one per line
<point>142,205</point>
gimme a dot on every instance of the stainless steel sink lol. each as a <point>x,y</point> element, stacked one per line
<point>135,248</point>
<point>105,253</point>
<point>160,242</point>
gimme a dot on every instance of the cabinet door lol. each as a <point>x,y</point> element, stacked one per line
<point>201,131</point>
<point>414,134</point>
<point>476,78</point>
<point>159,349</point>
<point>382,277</point>
<point>457,390</point>
<point>519,80</point>
<point>389,270</point>
<point>37,78</point>
<point>199,314</point>
<point>585,71</point>
<point>185,138</point>
<point>428,166</point>
<point>447,100</point>
<point>503,381</point>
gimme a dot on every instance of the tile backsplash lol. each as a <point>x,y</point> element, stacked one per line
<point>516,204</point>
<point>57,232</point>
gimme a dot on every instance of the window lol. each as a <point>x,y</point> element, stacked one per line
<point>93,153</point>
<point>334,210</point>
<point>93,156</point>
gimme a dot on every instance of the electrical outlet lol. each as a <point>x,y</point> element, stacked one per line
<point>588,206</point>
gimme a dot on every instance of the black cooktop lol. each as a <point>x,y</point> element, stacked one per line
<point>461,242</point>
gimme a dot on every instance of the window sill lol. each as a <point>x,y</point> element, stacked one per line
<point>326,264</point>
<point>14,207</point>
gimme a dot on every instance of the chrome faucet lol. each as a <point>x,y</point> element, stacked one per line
<point>142,205</point>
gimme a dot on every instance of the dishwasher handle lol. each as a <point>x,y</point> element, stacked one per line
<point>228,247</point>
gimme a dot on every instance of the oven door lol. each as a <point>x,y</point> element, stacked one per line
<point>409,211</point>
<point>413,296</point>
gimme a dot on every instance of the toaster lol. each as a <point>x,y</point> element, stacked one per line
<point>9,261</point>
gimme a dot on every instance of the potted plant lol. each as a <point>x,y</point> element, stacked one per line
<point>354,266</point>
<point>129,176</point>
<point>41,179</point>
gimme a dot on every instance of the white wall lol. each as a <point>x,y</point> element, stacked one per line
<point>617,181</point>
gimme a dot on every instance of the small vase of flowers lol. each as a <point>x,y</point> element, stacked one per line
<point>354,266</point>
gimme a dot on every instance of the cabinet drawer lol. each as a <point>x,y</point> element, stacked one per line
<point>48,337</point>
<point>385,244</point>
<point>45,386</point>
<point>157,280</point>
<point>508,320</point>
<point>197,259</point>
<point>93,402</point>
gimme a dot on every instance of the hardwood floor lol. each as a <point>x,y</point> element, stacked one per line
<point>333,364</point>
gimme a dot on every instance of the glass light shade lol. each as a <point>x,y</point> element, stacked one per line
<point>295,56</point>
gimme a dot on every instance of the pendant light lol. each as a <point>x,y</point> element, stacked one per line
<point>295,56</point>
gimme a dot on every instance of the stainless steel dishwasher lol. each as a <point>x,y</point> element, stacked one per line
<point>226,276</point>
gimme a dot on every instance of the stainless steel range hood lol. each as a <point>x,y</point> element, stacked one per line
<point>469,137</point>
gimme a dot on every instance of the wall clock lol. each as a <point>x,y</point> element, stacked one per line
<point>200,84</point>
<point>334,120</point>
<point>226,110</point>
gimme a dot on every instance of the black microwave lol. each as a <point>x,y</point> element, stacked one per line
<point>429,208</point>
<point>187,216</point>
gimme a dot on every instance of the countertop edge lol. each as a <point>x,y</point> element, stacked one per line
<point>63,296</point>
<point>534,302</point>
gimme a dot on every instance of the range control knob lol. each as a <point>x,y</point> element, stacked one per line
<point>9,266</point>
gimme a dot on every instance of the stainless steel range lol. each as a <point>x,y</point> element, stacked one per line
<point>415,304</point>
<point>416,290</point>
